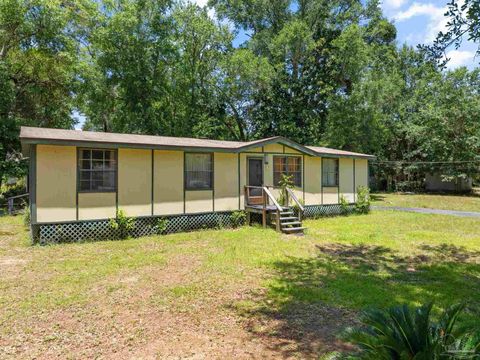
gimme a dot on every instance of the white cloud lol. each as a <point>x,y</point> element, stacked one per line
<point>436,21</point>
<point>393,4</point>
<point>459,58</point>
<point>417,9</point>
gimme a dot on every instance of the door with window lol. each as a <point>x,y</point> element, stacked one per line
<point>255,178</point>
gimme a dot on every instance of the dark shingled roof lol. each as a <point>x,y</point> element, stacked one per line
<point>33,135</point>
<point>329,151</point>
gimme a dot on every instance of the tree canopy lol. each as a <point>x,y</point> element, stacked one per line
<point>319,72</point>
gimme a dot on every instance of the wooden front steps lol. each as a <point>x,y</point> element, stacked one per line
<point>289,223</point>
<point>259,199</point>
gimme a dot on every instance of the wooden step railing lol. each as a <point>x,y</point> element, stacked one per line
<point>301,209</point>
<point>261,195</point>
<point>290,195</point>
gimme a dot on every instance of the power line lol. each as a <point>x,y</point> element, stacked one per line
<point>425,162</point>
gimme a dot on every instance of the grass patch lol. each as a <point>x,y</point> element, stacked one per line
<point>429,201</point>
<point>296,290</point>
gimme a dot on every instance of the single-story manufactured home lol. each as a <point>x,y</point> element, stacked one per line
<point>79,179</point>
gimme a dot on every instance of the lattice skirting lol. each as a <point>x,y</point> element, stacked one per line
<point>143,226</point>
<point>317,211</point>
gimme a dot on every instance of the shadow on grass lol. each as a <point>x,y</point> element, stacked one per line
<point>309,301</point>
<point>377,197</point>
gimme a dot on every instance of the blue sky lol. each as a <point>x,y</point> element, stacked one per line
<point>417,22</point>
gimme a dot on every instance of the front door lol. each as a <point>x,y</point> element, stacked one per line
<point>255,175</point>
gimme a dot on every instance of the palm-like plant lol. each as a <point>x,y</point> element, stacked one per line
<point>286,181</point>
<point>411,333</point>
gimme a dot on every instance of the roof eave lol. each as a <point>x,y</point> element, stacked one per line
<point>353,156</point>
<point>114,145</point>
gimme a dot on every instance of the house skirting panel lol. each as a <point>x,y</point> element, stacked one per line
<point>92,230</point>
<point>79,231</point>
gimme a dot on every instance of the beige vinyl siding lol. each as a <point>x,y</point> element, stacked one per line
<point>257,149</point>
<point>345,169</point>
<point>198,201</point>
<point>96,205</point>
<point>168,186</point>
<point>361,173</point>
<point>290,150</point>
<point>56,183</point>
<point>273,148</point>
<point>268,169</point>
<point>226,181</point>
<point>313,180</point>
<point>330,195</point>
<point>135,181</point>
<point>243,178</point>
<point>57,173</point>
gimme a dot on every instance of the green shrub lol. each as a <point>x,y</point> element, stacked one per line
<point>122,224</point>
<point>161,226</point>
<point>286,181</point>
<point>239,218</point>
<point>411,333</point>
<point>6,191</point>
<point>344,208</point>
<point>362,206</point>
<point>26,216</point>
<point>19,188</point>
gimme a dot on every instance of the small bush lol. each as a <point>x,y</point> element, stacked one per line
<point>344,208</point>
<point>286,181</point>
<point>122,224</point>
<point>362,206</point>
<point>161,226</point>
<point>238,218</point>
<point>26,216</point>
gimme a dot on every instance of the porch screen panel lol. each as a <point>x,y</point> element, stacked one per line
<point>198,171</point>
<point>330,172</point>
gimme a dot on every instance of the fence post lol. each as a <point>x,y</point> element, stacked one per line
<point>10,206</point>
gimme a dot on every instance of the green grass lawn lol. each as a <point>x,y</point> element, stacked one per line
<point>431,201</point>
<point>228,293</point>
